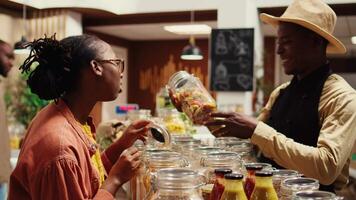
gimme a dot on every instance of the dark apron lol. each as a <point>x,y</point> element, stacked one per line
<point>295,112</point>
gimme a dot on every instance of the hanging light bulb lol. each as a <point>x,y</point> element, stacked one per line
<point>191,51</point>
<point>20,46</point>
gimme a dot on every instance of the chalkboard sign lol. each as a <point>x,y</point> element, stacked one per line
<point>231,53</point>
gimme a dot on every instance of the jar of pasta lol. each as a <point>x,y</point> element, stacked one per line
<point>190,93</point>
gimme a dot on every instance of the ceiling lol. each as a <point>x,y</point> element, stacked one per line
<point>146,31</point>
<point>345,28</point>
<point>138,27</point>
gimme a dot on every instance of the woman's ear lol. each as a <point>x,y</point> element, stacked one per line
<point>96,67</point>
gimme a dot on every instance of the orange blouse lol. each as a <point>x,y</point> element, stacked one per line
<point>55,160</point>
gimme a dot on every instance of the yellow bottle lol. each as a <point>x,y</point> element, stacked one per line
<point>264,188</point>
<point>233,187</point>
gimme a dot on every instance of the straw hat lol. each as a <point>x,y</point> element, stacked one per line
<point>314,15</point>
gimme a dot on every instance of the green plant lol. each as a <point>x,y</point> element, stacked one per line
<point>22,104</point>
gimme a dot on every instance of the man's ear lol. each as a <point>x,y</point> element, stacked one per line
<point>96,67</point>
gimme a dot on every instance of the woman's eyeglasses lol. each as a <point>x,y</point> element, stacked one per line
<point>117,62</point>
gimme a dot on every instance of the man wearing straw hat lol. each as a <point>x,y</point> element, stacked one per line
<point>308,123</point>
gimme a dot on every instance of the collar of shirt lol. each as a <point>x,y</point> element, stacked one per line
<point>310,80</point>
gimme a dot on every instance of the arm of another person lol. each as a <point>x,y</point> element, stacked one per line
<point>334,145</point>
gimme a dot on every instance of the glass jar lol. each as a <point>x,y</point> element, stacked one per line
<point>172,121</point>
<point>158,136</point>
<point>293,185</point>
<point>315,195</point>
<point>264,187</point>
<point>162,100</point>
<point>190,93</point>
<point>145,181</point>
<point>178,184</point>
<point>244,148</point>
<point>222,141</point>
<point>134,115</point>
<point>233,188</point>
<point>280,175</point>
<point>178,142</point>
<point>222,159</point>
<point>219,185</point>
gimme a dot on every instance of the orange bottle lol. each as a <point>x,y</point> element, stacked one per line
<point>233,187</point>
<point>264,189</point>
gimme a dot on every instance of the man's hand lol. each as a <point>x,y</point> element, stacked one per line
<point>231,124</point>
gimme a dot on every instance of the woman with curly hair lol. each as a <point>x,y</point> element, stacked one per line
<point>59,158</point>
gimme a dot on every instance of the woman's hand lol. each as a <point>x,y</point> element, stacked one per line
<point>231,124</point>
<point>137,130</point>
<point>123,170</point>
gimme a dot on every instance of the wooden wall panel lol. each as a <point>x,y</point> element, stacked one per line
<point>269,66</point>
<point>153,62</point>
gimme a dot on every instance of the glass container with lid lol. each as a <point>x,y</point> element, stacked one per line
<point>222,159</point>
<point>179,142</point>
<point>281,174</point>
<point>191,94</point>
<point>293,185</point>
<point>134,115</point>
<point>244,148</point>
<point>158,136</point>
<point>178,184</point>
<point>315,195</point>
<point>221,141</point>
<point>145,181</point>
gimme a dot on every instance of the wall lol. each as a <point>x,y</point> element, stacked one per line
<point>11,28</point>
<point>153,62</point>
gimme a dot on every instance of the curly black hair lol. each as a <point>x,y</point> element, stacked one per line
<point>59,63</point>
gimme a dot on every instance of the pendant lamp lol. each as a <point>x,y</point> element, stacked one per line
<point>191,51</point>
<point>19,47</point>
